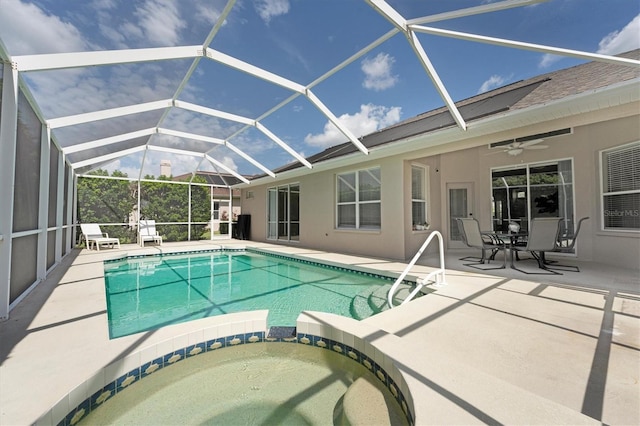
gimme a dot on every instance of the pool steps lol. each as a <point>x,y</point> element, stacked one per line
<point>367,392</point>
<point>373,300</point>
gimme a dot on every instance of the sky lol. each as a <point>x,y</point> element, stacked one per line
<point>300,40</point>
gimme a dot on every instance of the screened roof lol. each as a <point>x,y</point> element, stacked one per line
<point>252,89</point>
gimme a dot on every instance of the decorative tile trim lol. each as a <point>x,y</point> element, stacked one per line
<point>325,265</point>
<point>261,252</point>
<point>171,358</point>
<point>176,253</point>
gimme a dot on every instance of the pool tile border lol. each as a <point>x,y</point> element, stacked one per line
<point>118,376</point>
<point>263,252</point>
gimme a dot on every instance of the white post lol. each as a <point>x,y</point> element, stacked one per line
<point>8,134</point>
<point>60,207</point>
<point>43,203</point>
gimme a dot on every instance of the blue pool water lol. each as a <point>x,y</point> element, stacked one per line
<point>154,291</point>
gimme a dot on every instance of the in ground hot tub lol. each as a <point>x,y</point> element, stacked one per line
<point>262,383</point>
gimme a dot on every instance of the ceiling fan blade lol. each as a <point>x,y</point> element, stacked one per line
<point>529,143</point>
<point>502,151</point>
<point>536,147</point>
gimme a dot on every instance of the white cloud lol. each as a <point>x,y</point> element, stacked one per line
<point>208,13</point>
<point>129,165</point>
<point>369,119</point>
<point>268,9</point>
<point>228,162</point>
<point>621,41</point>
<point>26,29</point>
<point>493,82</point>
<point>548,59</point>
<point>378,73</point>
<point>160,20</point>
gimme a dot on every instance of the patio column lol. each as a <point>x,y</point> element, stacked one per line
<point>60,207</point>
<point>43,203</point>
<point>8,135</point>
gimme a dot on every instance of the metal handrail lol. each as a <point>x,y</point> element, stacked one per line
<point>420,282</point>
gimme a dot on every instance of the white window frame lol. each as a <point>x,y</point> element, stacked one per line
<point>357,202</point>
<point>425,182</point>
<point>604,193</point>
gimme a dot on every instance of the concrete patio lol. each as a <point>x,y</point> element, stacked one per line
<point>495,347</point>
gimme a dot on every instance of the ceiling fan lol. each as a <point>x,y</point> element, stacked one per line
<point>516,148</point>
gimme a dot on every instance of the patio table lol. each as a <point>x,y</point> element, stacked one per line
<point>510,240</point>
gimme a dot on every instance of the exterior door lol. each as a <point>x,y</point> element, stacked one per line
<point>220,219</point>
<point>459,204</point>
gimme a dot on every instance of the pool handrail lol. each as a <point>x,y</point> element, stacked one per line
<point>439,273</point>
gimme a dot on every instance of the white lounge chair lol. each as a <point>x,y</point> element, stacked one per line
<point>147,232</point>
<point>92,234</point>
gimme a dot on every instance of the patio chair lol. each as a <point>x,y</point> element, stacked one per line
<point>565,244</point>
<point>543,237</point>
<point>93,234</point>
<point>473,237</point>
<point>147,232</point>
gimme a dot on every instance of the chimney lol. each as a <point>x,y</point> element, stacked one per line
<point>165,168</point>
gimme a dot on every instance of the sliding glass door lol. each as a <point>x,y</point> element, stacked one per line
<point>283,213</point>
<point>523,192</point>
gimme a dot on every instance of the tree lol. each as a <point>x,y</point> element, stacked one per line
<point>106,201</point>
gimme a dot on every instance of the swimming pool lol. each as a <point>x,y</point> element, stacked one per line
<point>150,292</point>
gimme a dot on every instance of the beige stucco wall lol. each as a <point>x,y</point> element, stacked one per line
<point>583,146</point>
<point>318,211</point>
<point>396,240</point>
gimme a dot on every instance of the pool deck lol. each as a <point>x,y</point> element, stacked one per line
<point>497,347</point>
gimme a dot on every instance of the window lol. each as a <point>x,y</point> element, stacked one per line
<point>620,170</point>
<point>358,203</point>
<point>283,213</point>
<point>532,191</point>
<point>418,197</point>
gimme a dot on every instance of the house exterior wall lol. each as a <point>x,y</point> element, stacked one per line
<point>583,146</point>
<point>396,239</point>
<point>318,213</point>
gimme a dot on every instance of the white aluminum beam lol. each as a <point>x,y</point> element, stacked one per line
<point>253,70</point>
<point>54,61</point>
<point>431,71</point>
<point>108,157</point>
<point>491,7</point>
<point>196,61</point>
<point>72,120</point>
<point>177,151</point>
<point>286,147</point>
<point>193,136</point>
<point>214,112</point>
<point>383,8</point>
<point>388,12</point>
<point>226,169</point>
<point>242,154</point>
<point>108,141</point>
<point>327,112</point>
<point>219,22</point>
<point>526,46</point>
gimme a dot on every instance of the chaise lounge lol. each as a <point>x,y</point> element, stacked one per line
<point>147,232</point>
<point>93,234</point>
